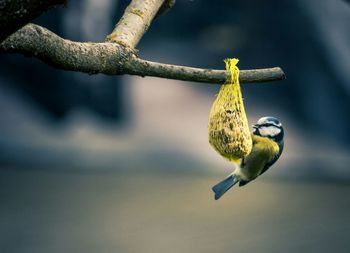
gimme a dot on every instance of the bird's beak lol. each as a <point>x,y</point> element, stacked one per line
<point>255,128</point>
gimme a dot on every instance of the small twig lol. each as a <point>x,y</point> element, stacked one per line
<point>134,22</point>
<point>147,68</point>
<point>113,59</point>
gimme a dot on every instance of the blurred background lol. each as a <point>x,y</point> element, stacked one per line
<point>122,164</point>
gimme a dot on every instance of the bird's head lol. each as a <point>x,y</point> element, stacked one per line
<point>269,127</point>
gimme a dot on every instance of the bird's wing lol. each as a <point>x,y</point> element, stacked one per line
<point>266,149</point>
<point>274,159</point>
<point>264,153</point>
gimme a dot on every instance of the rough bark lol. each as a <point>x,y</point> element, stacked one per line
<point>134,22</point>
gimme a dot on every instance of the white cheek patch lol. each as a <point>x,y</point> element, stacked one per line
<point>269,131</point>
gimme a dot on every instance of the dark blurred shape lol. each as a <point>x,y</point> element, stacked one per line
<point>16,13</point>
<point>58,92</point>
<point>165,7</point>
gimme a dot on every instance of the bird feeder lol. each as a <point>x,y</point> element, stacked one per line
<point>228,128</point>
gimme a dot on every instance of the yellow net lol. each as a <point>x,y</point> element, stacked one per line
<point>228,128</point>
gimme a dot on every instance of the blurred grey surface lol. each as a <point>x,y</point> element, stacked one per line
<point>45,211</point>
<point>123,164</point>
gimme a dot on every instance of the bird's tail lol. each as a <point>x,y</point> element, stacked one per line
<point>226,184</point>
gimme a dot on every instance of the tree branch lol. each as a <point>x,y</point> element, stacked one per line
<point>36,41</point>
<point>147,68</point>
<point>134,22</point>
<point>107,58</point>
<point>113,59</point>
<point>16,13</point>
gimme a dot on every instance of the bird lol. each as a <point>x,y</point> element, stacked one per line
<point>268,143</point>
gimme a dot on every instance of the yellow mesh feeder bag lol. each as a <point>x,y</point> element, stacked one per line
<point>228,128</point>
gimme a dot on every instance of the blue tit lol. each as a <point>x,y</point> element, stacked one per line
<point>267,137</point>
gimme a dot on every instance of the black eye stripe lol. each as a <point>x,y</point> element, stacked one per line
<point>269,124</point>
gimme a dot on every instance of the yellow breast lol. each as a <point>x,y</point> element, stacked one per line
<point>263,151</point>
